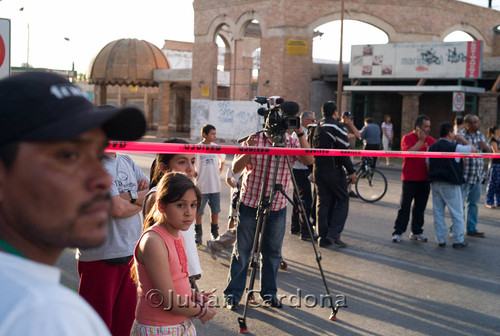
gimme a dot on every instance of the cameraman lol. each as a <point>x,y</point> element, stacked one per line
<point>253,169</point>
<point>332,204</point>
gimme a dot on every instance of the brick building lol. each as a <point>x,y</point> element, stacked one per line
<point>284,31</point>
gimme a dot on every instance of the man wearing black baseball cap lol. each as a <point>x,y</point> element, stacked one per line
<point>54,193</point>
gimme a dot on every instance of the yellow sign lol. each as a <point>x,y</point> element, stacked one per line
<point>133,88</point>
<point>205,91</point>
<point>296,47</point>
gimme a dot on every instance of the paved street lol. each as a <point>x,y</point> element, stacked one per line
<point>392,289</point>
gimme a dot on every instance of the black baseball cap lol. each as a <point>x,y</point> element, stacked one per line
<point>346,114</point>
<point>41,106</point>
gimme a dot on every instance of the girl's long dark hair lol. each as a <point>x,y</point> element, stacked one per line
<point>491,130</point>
<point>171,188</point>
<point>155,172</point>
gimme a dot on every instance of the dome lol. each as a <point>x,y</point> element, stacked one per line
<point>127,62</point>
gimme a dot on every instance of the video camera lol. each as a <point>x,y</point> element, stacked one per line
<point>279,114</point>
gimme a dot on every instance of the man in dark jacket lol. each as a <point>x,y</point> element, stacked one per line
<point>446,177</point>
<point>332,205</point>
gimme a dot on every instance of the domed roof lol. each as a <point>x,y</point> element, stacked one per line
<point>127,62</point>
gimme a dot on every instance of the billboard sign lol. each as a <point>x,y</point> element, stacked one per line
<point>417,60</point>
<point>4,48</point>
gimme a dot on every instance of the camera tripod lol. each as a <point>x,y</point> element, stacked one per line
<point>263,211</point>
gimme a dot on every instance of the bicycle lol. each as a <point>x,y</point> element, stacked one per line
<point>371,184</point>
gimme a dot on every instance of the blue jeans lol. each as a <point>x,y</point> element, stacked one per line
<point>493,186</point>
<point>471,193</point>
<point>213,202</point>
<point>272,240</point>
<point>445,194</point>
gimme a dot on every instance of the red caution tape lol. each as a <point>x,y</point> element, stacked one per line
<point>174,148</point>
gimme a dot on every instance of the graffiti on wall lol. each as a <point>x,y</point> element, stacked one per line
<point>232,119</point>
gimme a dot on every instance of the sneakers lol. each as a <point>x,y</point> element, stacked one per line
<point>396,238</point>
<point>231,304</point>
<point>214,231</point>
<point>211,249</point>
<point>353,194</point>
<point>490,206</point>
<point>198,234</point>
<point>441,244</point>
<point>459,245</point>
<point>418,237</point>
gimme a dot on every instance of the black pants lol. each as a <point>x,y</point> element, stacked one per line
<point>373,147</point>
<point>332,203</point>
<point>418,192</point>
<point>304,189</point>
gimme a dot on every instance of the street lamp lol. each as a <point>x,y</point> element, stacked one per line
<point>72,62</point>
<point>28,47</point>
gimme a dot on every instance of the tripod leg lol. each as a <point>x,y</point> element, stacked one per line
<point>261,219</point>
<point>243,325</point>
<point>340,303</point>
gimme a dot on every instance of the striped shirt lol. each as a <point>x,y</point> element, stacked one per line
<point>473,169</point>
<point>340,140</point>
<point>253,174</point>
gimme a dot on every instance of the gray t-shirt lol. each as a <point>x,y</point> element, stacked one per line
<point>122,233</point>
<point>371,134</point>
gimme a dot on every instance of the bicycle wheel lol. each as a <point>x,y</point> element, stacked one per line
<point>371,185</point>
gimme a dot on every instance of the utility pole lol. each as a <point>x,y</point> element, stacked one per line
<point>340,75</point>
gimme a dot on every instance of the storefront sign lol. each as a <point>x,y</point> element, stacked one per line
<point>417,60</point>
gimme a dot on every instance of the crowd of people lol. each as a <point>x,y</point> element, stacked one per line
<point>58,189</point>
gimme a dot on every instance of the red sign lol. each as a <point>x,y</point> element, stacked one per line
<point>4,48</point>
<point>473,66</point>
<point>458,102</point>
<point>2,51</point>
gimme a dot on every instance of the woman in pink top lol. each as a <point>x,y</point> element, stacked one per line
<point>166,303</point>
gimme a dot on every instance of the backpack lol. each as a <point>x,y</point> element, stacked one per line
<point>319,137</point>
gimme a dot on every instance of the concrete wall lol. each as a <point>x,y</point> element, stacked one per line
<point>232,119</point>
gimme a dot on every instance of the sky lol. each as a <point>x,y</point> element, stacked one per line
<point>65,31</point>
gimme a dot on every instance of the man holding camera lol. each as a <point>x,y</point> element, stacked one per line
<point>253,168</point>
<point>332,205</point>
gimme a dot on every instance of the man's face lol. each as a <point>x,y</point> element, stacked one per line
<point>211,136</point>
<point>426,127</point>
<point>346,119</point>
<point>336,115</point>
<point>474,125</point>
<point>56,194</point>
<point>311,119</point>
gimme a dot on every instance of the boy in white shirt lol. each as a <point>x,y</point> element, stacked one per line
<point>208,169</point>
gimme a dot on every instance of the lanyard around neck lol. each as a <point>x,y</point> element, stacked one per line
<point>10,249</point>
